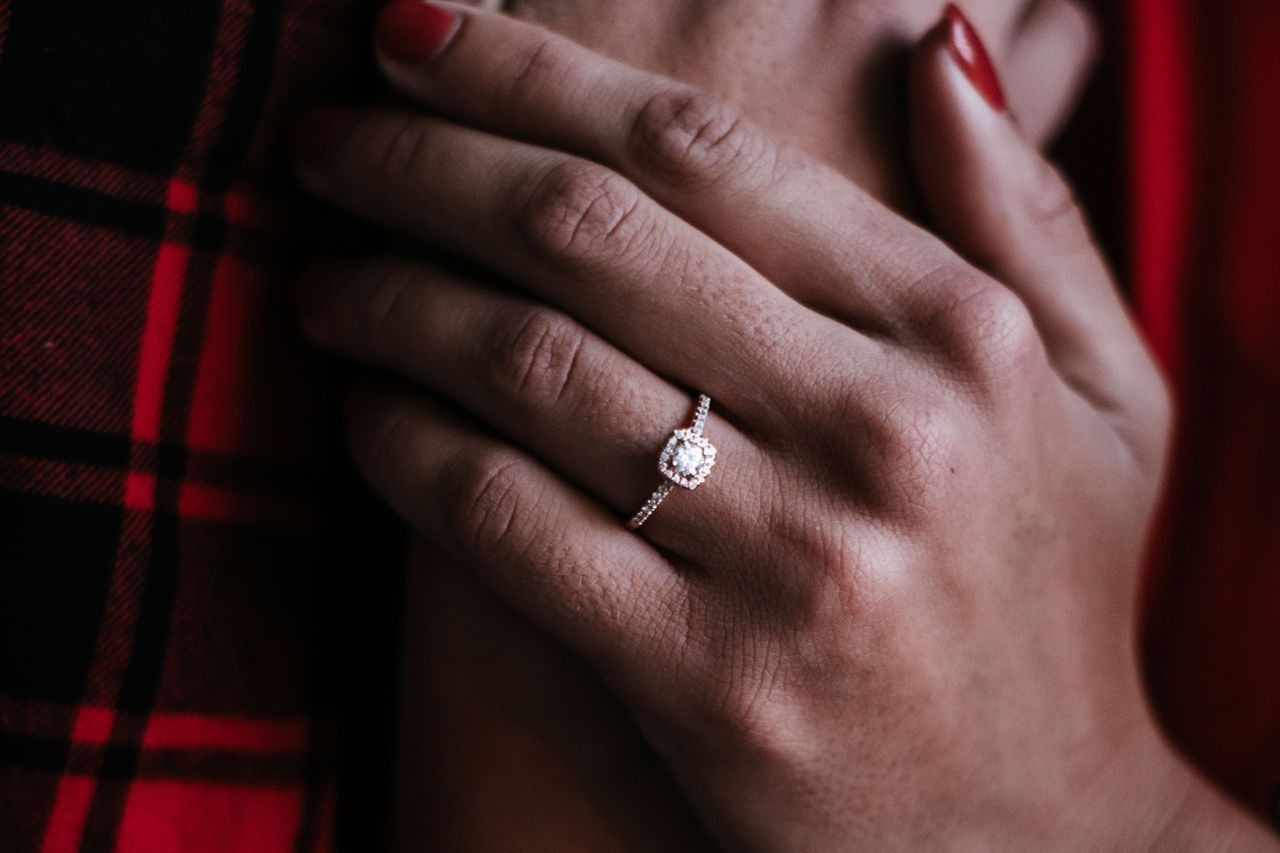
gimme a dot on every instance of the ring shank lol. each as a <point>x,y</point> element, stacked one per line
<point>658,496</point>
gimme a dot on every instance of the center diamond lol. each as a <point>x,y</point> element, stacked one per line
<point>687,459</point>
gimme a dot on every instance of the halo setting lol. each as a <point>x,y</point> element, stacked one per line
<point>687,459</point>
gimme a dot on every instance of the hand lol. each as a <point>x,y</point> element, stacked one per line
<point>826,77</point>
<point>497,691</point>
<point>899,613</point>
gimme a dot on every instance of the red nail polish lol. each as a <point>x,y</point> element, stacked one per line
<point>972,57</point>
<point>412,32</point>
<point>314,132</point>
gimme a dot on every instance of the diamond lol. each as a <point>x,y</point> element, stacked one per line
<point>687,459</point>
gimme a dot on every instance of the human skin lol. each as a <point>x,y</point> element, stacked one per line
<point>900,614</point>
<point>827,76</point>
<point>505,735</point>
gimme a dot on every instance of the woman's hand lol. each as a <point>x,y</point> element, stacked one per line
<point>899,613</point>
<point>827,76</point>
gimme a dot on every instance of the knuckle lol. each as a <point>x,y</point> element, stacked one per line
<point>736,710</point>
<point>1052,206</point>
<point>581,212</point>
<point>833,588</point>
<point>989,334</point>
<point>530,71</point>
<point>1155,404</point>
<point>919,446</point>
<point>693,136</point>
<point>400,151</point>
<point>382,439</point>
<point>392,288</point>
<point>480,492</point>
<point>535,357</point>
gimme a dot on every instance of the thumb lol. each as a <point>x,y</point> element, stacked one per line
<point>1011,213</point>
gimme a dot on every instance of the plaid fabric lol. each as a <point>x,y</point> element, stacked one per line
<point>170,515</point>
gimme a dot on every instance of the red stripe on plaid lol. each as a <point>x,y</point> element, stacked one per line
<point>159,817</point>
<point>200,731</point>
<point>139,491</point>
<point>66,821</point>
<point>93,725</point>
<point>96,725</point>
<point>182,196</point>
<point>157,340</point>
<point>223,415</point>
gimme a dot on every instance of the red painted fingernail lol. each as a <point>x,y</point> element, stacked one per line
<point>412,32</point>
<point>972,57</point>
<point>314,132</point>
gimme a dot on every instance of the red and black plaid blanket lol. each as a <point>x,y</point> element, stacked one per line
<point>189,603</point>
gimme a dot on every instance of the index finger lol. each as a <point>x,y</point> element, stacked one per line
<point>804,226</point>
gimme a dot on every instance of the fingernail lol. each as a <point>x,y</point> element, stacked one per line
<point>314,133</point>
<point>972,57</point>
<point>412,32</point>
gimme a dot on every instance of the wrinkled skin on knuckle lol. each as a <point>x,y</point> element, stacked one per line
<point>583,215</point>
<point>987,338</point>
<point>920,447</point>
<point>733,704</point>
<point>381,440</point>
<point>830,582</point>
<point>397,151</point>
<point>518,74</point>
<point>480,494</point>
<point>533,359</point>
<point>1163,409</point>
<point>889,450</point>
<point>393,287</point>
<point>689,136</point>
<point>1051,206</point>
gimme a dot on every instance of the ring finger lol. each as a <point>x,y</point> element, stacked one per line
<point>542,379</point>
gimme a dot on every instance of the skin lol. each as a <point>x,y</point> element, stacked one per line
<point>899,614</point>
<point>826,75</point>
<point>523,740</point>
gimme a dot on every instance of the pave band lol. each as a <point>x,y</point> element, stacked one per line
<point>685,461</point>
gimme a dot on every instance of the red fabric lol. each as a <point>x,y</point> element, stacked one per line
<point>1206,253</point>
<point>180,629</point>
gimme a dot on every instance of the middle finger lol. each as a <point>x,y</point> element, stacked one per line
<point>587,240</point>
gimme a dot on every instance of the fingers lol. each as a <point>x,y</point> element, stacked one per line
<point>694,153</point>
<point>582,238</point>
<point>560,558</point>
<point>1047,64</point>
<point>594,415</point>
<point>1011,213</point>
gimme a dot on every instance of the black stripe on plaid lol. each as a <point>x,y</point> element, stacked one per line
<point>38,440</point>
<point>125,763</point>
